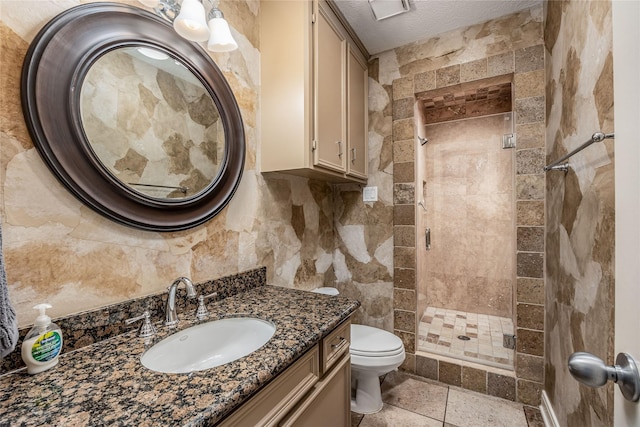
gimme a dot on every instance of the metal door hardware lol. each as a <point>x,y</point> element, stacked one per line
<point>591,371</point>
<point>508,141</point>
<point>427,238</point>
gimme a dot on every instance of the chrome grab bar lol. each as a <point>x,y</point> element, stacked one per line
<point>558,165</point>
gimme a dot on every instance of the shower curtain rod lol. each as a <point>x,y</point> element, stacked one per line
<point>557,166</point>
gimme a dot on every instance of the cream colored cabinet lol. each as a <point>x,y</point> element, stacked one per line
<point>314,391</point>
<point>313,93</point>
<point>329,403</point>
<point>330,124</point>
<point>358,114</point>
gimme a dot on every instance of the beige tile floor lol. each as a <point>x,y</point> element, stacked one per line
<point>411,401</point>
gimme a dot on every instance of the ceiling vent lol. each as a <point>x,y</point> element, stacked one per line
<point>383,9</point>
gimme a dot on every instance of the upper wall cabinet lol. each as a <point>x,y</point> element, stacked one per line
<point>313,95</point>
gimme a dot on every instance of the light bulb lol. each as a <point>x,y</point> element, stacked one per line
<point>191,23</point>
<point>220,39</point>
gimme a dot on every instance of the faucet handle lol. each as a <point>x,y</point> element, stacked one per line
<point>147,329</point>
<point>202,312</point>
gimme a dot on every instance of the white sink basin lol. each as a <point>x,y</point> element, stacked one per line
<point>208,345</point>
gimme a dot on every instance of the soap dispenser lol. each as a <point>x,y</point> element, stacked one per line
<point>43,344</point>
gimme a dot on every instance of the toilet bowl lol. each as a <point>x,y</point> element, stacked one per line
<point>374,352</point>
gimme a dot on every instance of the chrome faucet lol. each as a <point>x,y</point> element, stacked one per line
<point>171,316</point>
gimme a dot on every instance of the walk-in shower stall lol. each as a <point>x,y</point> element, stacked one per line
<point>465,213</point>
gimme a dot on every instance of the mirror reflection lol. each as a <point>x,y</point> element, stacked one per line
<point>151,123</point>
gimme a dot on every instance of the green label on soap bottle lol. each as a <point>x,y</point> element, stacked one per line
<point>47,347</point>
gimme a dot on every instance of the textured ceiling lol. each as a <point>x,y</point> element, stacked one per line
<point>427,18</point>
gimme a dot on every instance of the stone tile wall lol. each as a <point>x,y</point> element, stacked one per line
<point>580,207</point>
<point>59,251</point>
<point>512,44</point>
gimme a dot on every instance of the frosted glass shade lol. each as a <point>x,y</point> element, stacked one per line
<point>220,39</point>
<point>191,23</point>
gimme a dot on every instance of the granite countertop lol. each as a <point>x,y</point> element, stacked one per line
<point>105,383</point>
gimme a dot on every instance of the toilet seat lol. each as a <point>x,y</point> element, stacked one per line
<point>373,342</point>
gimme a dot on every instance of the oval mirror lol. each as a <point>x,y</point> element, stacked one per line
<point>151,123</point>
<point>135,121</point>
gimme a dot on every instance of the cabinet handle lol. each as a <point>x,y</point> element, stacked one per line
<point>353,155</point>
<point>339,148</point>
<point>340,342</point>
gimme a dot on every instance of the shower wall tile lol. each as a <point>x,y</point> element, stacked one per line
<point>404,172</point>
<point>404,257</point>
<point>529,110</point>
<point>530,212</point>
<point>530,367</point>
<point>529,59</point>
<point>530,316</point>
<point>404,214</point>
<point>530,342</point>
<point>453,112</point>
<point>529,84</point>
<point>403,129</point>
<point>408,340</point>
<point>403,88</point>
<point>529,392</point>
<point>403,151</point>
<point>530,239</point>
<point>530,187</point>
<point>530,290</point>
<point>424,81</point>
<point>530,161</point>
<point>482,107</point>
<point>530,135</point>
<point>499,65</point>
<point>474,70</point>
<point>403,194</point>
<point>530,264</point>
<point>404,320</point>
<point>404,235</point>
<point>501,386</point>
<point>404,278</point>
<point>448,76</point>
<point>474,379</point>
<point>404,299</point>
<point>403,108</point>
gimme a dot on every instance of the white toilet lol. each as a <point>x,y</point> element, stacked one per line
<point>374,352</point>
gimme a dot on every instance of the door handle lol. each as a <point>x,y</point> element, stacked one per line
<point>427,239</point>
<point>591,371</point>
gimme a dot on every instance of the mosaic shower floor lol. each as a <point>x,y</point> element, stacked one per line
<point>440,329</point>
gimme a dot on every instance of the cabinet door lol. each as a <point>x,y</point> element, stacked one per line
<point>357,110</point>
<point>330,92</point>
<point>329,404</point>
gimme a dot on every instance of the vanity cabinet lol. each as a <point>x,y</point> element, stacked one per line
<point>314,391</point>
<point>313,94</point>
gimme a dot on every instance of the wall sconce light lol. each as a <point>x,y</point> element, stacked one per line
<point>190,21</point>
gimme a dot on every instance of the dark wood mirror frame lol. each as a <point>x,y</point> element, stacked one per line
<point>54,67</point>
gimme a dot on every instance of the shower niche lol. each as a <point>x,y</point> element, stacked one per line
<point>466,210</point>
